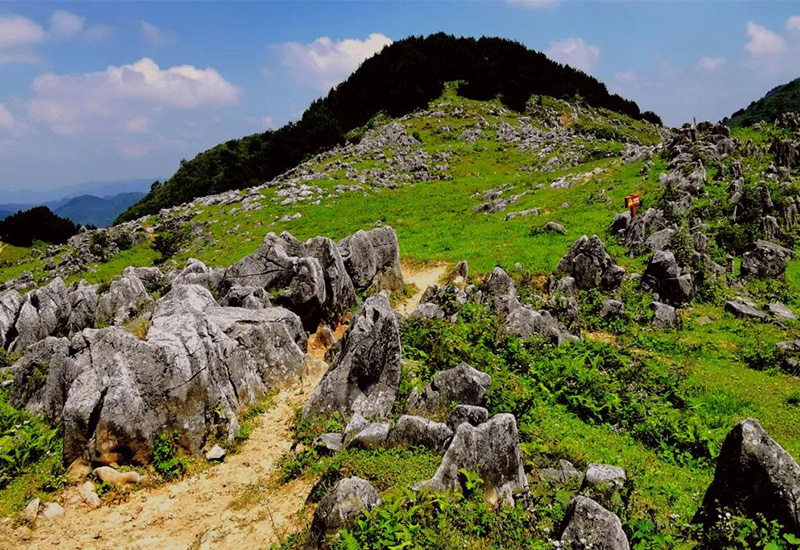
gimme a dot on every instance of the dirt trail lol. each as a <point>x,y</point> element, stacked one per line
<point>235,504</point>
<point>422,278</point>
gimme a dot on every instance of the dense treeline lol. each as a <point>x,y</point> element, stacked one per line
<point>36,224</point>
<point>405,76</point>
<point>779,100</point>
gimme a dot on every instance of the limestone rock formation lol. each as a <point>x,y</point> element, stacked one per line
<point>364,375</point>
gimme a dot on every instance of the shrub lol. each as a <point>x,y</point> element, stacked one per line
<point>167,458</point>
<point>169,242</point>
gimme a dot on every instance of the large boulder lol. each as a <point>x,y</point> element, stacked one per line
<point>766,260</point>
<point>200,366</point>
<point>372,258</point>
<point>308,278</point>
<point>364,374</point>
<point>664,277</point>
<point>754,476</point>
<point>492,451</point>
<point>415,431</point>
<point>590,265</point>
<point>10,304</point>
<point>589,525</point>
<point>83,303</point>
<point>351,497</point>
<point>126,298</point>
<point>462,385</point>
<point>44,312</point>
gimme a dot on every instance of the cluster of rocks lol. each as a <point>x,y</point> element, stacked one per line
<point>202,360</point>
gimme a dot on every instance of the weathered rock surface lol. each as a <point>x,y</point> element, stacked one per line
<point>754,475</point>
<point>564,473</point>
<point>744,309</point>
<point>10,304</point>
<point>664,316</point>
<point>83,301</point>
<point>114,393</point>
<point>343,504</point>
<point>462,384</point>
<point>413,431</point>
<point>492,451</point>
<point>589,525</point>
<point>590,265</point>
<point>467,413</point>
<point>766,260</point>
<point>604,474</point>
<point>307,278</point>
<point>125,299</point>
<point>44,312</point>
<point>664,277</point>
<point>364,375</point>
<point>372,258</point>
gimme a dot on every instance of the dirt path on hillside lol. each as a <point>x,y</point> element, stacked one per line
<point>422,278</point>
<point>236,504</point>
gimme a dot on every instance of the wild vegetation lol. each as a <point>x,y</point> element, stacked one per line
<point>656,402</point>
<point>405,76</point>
<point>36,224</point>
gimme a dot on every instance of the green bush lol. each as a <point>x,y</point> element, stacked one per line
<point>167,458</point>
<point>169,242</point>
<point>24,440</point>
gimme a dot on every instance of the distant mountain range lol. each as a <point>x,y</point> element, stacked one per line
<point>83,209</point>
<point>93,203</point>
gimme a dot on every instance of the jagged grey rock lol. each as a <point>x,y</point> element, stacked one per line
<point>349,498</point>
<point>10,304</point>
<point>765,260</point>
<point>245,296</point>
<point>83,302</point>
<point>754,476</point>
<point>413,431</point>
<point>126,298</point>
<point>744,309</point>
<point>612,309</point>
<point>467,413</point>
<point>664,316</point>
<point>307,278</point>
<point>371,436</point>
<point>115,393</point>
<point>44,312</point>
<point>372,258</point>
<point>492,451</point>
<point>198,273</point>
<point>564,473</point>
<point>604,474</point>
<point>780,312</point>
<point>589,525</point>
<point>462,384</point>
<point>331,442</point>
<point>590,265</point>
<point>664,276</point>
<point>152,278</point>
<point>364,375</point>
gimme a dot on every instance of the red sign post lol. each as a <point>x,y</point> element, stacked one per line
<point>631,202</point>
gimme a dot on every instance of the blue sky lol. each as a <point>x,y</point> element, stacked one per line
<point>121,90</point>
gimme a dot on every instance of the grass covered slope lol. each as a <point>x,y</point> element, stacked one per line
<point>403,77</point>
<point>655,402</point>
<point>781,99</point>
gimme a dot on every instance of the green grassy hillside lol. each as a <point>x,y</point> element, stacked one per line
<point>403,77</point>
<point>781,99</point>
<point>656,402</point>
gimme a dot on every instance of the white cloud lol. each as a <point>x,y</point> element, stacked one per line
<point>710,63</point>
<point>155,36</point>
<point>534,4</point>
<point>64,24</point>
<point>574,52</point>
<point>763,41</point>
<point>324,63</point>
<point>16,30</point>
<point>138,124</point>
<point>67,25</point>
<point>793,23</point>
<point>6,119</point>
<point>113,98</point>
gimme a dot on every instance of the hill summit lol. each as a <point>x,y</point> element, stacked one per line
<point>403,77</point>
